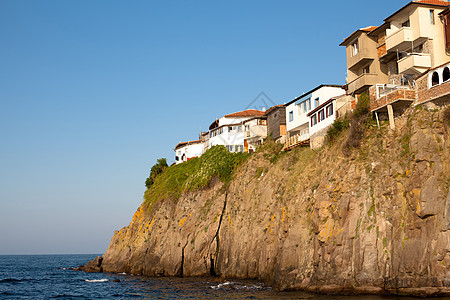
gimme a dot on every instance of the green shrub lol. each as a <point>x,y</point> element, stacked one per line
<point>194,174</point>
<point>158,168</point>
<point>337,127</point>
<point>362,107</point>
<point>358,123</point>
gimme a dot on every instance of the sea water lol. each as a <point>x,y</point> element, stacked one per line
<point>51,276</point>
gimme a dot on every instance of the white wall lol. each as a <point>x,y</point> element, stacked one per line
<point>324,123</point>
<point>300,119</point>
<point>227,138</point>
<point>190,151</point>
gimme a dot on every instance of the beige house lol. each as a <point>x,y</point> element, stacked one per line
<point>386,60</point>
<point>415,35</point>
<point>255,131</point>
<point>407,44</point>
<point>363,65</point>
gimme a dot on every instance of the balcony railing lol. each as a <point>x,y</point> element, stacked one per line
<point>388,94</point>
<point>415,63</point>
<point>363,80</point>
<point>399,40</point>
<point>296,140</point>
<point>361,58</point>
<point>256,131</point>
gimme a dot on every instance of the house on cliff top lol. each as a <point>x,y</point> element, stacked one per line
<point>229,130</point>
<point>184,151</point>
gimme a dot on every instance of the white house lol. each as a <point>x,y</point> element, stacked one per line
<point>184,151</point>
<point>321,117</point>
<point>255,131</point>
<point>297,121</point>
<point>229,131</point>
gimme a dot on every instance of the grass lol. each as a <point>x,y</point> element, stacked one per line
<point>193,174</point>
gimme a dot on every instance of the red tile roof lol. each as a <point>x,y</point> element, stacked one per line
<point>429,2</point>
<point>370,28</point>
<point>435,2</point>
<point>182,144</point>
<point>366,29</point>
<point>272,108</point>
<point>246,113</point>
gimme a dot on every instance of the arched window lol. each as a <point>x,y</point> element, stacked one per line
<point>435,79</point>
<point>446,74</point>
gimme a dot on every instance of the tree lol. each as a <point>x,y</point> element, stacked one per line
<point>155,171</point>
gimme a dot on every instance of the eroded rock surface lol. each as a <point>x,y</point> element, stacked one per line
<point>375,222</point>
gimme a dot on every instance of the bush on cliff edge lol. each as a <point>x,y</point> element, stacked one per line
<point>358,123</point>
<point>193,174</point>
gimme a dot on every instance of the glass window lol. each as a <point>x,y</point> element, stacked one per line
<point>432,16</point>
<point>446,74</point>
<point>329,110</point>
<point>291,116</point>
<point>317,102</point>
<point>435,79</point>
<point>355,48</point>
<point>313,120</point>
<point>321,115</point>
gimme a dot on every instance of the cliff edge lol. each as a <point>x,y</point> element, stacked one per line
<point>376,220</point>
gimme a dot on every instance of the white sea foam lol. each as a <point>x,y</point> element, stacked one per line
<point>123,273</point>
<point>96,280</point>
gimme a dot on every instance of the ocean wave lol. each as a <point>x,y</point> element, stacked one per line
<point>123,273</point>
<point>96,280</point>
<point>228,285</point>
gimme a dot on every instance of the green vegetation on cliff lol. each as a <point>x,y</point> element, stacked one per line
<point>193,174</point>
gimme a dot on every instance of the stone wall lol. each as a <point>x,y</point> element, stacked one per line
<point>435,92</point>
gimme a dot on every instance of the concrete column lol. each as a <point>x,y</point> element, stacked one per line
<point>391,116</point>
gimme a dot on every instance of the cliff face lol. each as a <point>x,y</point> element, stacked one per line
<point>375,221</point>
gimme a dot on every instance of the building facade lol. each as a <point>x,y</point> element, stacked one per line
<point>229,130</point>
<point>184,151</point>
<point>297,121</point>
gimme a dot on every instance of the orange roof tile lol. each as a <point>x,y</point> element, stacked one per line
<point>272,108</point>
<point>246,113</point>
<point>369,28</point>
<point>182,144</point>
<point>436,2</point>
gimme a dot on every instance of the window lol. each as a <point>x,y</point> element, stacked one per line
<point>355,48</point>
<point>321,115</point>
<point>316,102</point>
<point>418,49</point>
<point>435,79</point>
<point>366,70</point>
<point>432,16</point>
<point>306,105</point>
<point>238,148</point>
<point>406,24</point>
<point>329,110</point>
<point>240,128</point>
<point>313,120</point>
<point>291,116</point>
<point>446,74</point>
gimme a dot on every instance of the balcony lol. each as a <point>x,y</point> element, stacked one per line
<point>257,131</point>
<point>301,139</point>
<point>361,58</point>
<point>361,82</point>
<point>396,95</point>
<point>402,39</point>
<point>415,63</point>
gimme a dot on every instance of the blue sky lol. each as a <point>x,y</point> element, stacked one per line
<point>93,92</point>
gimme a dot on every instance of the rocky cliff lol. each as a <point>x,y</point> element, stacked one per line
<point>376,220</point>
